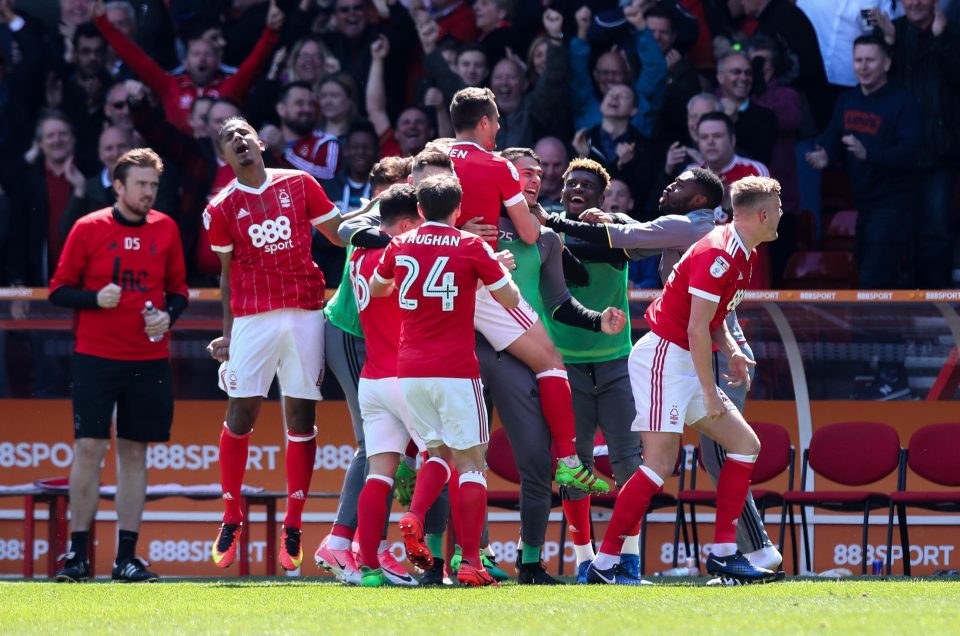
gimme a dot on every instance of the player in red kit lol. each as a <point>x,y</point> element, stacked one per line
<point>490,182</point>
<point>436,269</point>
<point>114,262</point>
<point>671,373</point>
<point>387,427</point>
<point>272,292</point>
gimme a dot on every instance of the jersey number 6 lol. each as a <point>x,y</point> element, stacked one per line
<point>437,284</point>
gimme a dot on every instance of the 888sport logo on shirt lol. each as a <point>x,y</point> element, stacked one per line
<point>273,235</point>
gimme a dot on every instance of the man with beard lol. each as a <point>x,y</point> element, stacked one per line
<point>202,76</point>
<point>687,206</point>
<point>300,145</point>
<point>115,263</point>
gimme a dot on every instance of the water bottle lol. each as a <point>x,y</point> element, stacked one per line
<point>148,310</point>
<point>690,569</point>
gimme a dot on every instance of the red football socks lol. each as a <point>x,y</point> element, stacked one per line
<point>632,503</point>
<point>732,486</point>
<point>430,481</point>
<point>371,515</point>
<point>301,453</point>
<point>557,404</point>
<point>233,464</point>
<point>577,512</point>
<point>472,511</point>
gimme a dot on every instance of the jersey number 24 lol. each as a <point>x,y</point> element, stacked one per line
<point>437,284</point>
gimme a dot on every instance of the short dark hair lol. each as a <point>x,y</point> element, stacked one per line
<point>470,105</point>
<point>872,38</point>
<point>660,11</point>
<point>87,30</point>
<point>388,171</point>
<point>709,184</point>
<point>431,158</point>
<point>512,154</point>
<point>718,116</point>
<point>199,99</point>
<point>471,48</point>
<point>362,126</point>
<point>285,91</point>
<point>589,165</point>
<point>236,119</point>
<point>136,158</point>
<point>439,196</point>
<point>398,202</point>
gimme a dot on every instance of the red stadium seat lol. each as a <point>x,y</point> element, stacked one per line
<point>820,270</point>
<point>776,456</point>
<point>840,232</point>
<point>932,454</point>
<point>850,454</point>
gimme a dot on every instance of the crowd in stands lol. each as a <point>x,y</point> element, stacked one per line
<point>645,87</point>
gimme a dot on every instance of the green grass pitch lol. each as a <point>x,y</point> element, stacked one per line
<point>901,606</point>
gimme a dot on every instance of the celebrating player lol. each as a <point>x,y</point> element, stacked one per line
<point>272,291</point>
<point>437,268</point>
<point>490,182</point>
<point>671,374</point>
<point>386,422</point>
<point>687,205</point>
<point>114,261</point>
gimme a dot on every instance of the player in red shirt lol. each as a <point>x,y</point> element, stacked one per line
<point>387,427</point>
<point>436,269</point>
<point>114,261</point>
<point>671,373</point>
<point>260,226</point>
<point>490,183</point>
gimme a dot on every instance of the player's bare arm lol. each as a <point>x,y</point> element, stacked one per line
<point>507,295</point>
<point>702,312</point>
<point>380,287</point>
<point>527,225</point>
<point>219,348</point>
<point>329,229</point>
<point>738,365</point>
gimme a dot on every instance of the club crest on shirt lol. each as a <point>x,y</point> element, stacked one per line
<point>284,197</point>
<point>719,267</point>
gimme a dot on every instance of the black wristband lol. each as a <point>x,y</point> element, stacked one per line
<point>176,303</point>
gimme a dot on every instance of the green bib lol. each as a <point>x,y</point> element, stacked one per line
<point>527,273</point>
<point>607,288</point>
<point>341,310</point>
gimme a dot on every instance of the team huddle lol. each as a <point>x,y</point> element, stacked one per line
<point>459,287</point>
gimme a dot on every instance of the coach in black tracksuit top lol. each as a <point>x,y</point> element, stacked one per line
<point>875,130</point>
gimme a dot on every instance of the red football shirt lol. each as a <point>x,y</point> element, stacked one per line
<point>379,317</point>
<point>489,182</point>
<point>268,229</point>
<point>718,268</point>
<point>146,261</point>
<point>317,154</point>
<point>436,268</point>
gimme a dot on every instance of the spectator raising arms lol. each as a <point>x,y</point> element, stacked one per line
<point>202,73</point>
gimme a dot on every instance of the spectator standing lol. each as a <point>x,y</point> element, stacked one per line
<point>202,72</point>
<point>114,262</point>
<point>876,130</point>
<point>756,126</point>
<point>683,81</point>
<point>553,161</point>
<point>611,68</point>
<point>337,98</point>
<point>297,142</point>
<point>926,58</point>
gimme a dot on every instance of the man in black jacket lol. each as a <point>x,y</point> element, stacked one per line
<point>926,54</point>
<point>876,129</point>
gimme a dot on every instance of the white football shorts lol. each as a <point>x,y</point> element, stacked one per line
<point>499,325</point>
<point>666,389</point>
<point>448,411</point>
<point>286,343</point>
<point>386,422</point>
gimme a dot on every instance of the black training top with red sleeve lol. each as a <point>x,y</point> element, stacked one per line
<point>144,259</point>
